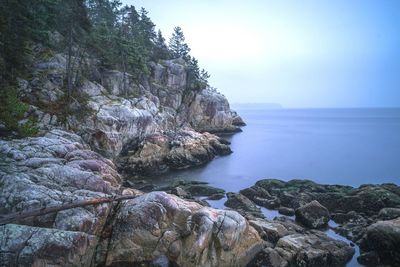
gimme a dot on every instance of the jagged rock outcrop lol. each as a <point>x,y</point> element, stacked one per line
<point>210,112</point>
<point>159,153</point>
<point>113,110</point>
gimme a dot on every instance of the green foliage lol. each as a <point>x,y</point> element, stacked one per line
<point>196,80</point>
<point>12,111</point>
<point>160,49</point>
<point>22,23</point>
<point>121,37</point>
<point>177,44</point>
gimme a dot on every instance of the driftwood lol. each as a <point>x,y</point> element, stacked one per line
<point>9,218</point>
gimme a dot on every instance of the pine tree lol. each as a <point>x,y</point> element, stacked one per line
<point>160,49</point>
<point>74,25</point>
<point>177,44</point>
<point>21,24</point>
<point>204,76</point>
<point>103,16</point>
<point>146,29</point>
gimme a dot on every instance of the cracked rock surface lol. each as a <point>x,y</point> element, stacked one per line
<point>52,170</point>
<point>189,234</point>
<point>59,168</point>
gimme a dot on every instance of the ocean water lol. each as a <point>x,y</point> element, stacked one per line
<point>328,146</point>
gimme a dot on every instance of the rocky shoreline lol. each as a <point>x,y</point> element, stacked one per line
<point>152,127</point>
<point>179,227</point>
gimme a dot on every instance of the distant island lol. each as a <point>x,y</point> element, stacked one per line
<point>256,106</point>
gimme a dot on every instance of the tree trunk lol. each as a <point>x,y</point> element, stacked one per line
<point>69,66</point>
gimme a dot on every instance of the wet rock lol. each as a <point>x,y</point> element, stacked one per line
<point>255,191</point>
<point>354,208</point>
<point>178,191</point>
<point>369,259</point>
<point>203,190</point>
<point>350,216</point>
<point>268,257</point>
<point>216,196</point>
<point>289,224</point>
<point>242,204</point>
<point>313,215</point>
<point>352,225</point>
<point>389,213</point>
<point>286,211</point>
<point>313,249</point>
<point>270,231</point>
<point>271,203</point>
<point>383,237</point>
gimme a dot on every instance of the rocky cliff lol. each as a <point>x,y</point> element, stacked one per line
<point>112,110</point>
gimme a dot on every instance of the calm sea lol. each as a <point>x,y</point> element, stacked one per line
<point>329,146</point>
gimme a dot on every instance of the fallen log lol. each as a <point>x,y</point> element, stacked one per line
<point>9,218</point>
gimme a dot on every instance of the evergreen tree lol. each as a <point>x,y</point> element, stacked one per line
<point>74,25</point>
<point>160,49</point>
<point>146,29</point>
<point>204,76</point>
<point>193,73</point>
<point>133,43</point>
<point>21,24</point>
<point>177,44</point>
<point>103,16</point>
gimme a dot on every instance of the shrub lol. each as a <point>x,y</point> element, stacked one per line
<point>12,111</point>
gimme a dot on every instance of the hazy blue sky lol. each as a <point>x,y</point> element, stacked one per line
<point>339,53</point>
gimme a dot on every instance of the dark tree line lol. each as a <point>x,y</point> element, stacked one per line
<point>121,37</point>
<point>118,37</point>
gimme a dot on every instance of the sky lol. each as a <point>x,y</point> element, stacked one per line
<point>309,53</point>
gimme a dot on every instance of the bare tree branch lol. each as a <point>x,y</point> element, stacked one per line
<point>9,218</point>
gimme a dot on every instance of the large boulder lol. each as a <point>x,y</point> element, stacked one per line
<point>389,213</point>
<point>313,215</point>
<point>313,249</point>
<point>382,238</point>
<point>158,224</point>
<point>242,204</point>
<point>159,153</point>
<point>51,170</point>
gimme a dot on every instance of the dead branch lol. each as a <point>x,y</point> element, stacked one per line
<point>9,218</point>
